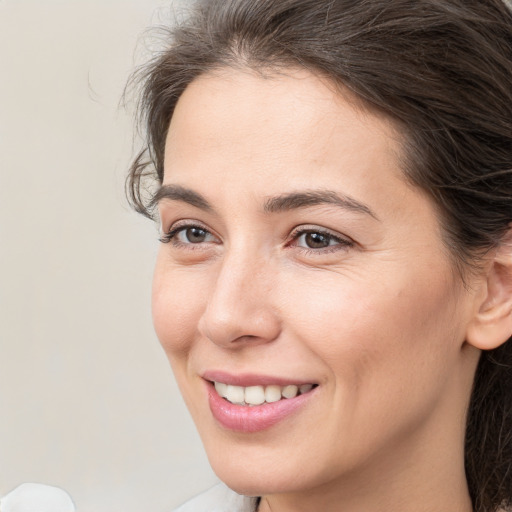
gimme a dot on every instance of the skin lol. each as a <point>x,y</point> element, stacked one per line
<point>378,318</point>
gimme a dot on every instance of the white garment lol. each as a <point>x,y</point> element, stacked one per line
<point>219,499</point>
<point>37,497</point>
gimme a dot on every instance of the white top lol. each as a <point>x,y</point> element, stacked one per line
<point>37,497</point>
<point>219,499</point>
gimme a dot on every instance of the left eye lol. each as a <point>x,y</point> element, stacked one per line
<point>318,240</point>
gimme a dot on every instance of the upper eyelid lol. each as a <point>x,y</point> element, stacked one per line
<point>299,230</point>
<point>187,223</point>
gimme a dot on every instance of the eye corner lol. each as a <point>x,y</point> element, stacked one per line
<point>165,237</point>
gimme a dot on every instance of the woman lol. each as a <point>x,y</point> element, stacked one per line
<point>334,286</point>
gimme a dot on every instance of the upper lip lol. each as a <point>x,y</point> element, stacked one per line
<point>251,379</point>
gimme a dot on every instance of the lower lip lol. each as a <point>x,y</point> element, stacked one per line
<point>243,418</point>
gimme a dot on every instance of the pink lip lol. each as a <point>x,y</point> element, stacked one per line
<point>248,379</point>
<point>247,419</point>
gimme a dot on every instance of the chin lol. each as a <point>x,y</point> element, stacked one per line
<point>251,475</point>
<point>254,483</point>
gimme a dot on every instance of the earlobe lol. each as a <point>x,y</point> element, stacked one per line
<point>491,325</point>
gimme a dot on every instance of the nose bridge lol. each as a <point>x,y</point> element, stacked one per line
<point>240,304</point>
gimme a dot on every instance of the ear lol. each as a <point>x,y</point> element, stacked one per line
<point>491,325</point>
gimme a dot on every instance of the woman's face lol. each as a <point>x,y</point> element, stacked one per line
<point>298,255</point>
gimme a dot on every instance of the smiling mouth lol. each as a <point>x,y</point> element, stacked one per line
<point>258,395</point>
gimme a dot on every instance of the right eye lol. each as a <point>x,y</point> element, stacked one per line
<point>188,235</point>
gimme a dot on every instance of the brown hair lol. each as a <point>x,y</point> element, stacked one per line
<point>442,69</point>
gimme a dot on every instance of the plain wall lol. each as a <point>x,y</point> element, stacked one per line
<point>87,399</point>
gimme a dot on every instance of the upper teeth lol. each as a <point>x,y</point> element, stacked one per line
<point>257,395</point>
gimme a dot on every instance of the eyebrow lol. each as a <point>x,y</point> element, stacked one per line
<point>281,203</point>
<point>303,199</point>
<point>179,193</point>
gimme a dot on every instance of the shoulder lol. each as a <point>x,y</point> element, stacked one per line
<point>219,499</point>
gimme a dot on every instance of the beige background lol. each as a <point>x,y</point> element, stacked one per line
<point>87,401</point>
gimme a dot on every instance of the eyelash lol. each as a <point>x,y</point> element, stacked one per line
<point>170,236</point>
<point>341,243</point>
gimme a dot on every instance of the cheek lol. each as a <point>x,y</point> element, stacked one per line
<point>375,330</point>
<point>176,307</point>
<point>388,351</point>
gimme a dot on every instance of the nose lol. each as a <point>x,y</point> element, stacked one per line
<point>240,309</point>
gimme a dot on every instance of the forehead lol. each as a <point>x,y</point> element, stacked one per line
<point>294,115</point>
<point>238,130</point>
